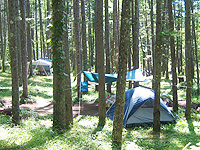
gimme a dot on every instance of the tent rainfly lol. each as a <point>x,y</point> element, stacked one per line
<point>135,75</point>
<point>138,109</point>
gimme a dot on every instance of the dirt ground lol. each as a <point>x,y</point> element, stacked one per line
<point>45,107</point>
<point>85,108</point>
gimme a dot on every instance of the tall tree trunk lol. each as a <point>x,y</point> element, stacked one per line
<point>77,42</point>
<point>107,44</point>
<point>68,91</point>
<point>157,67</point>
<point>59,119</point>
<point>121,81</point>
<point>173,57</point>
<point>43,47</point>
<point>188,59</point>
<point>100,62</point>
<point>29,48</point>
<point>14,65</point>
<point>115,33</point>
<point>36,31</point>
<point>136,36</point>
<point>1,35</point>
<point>84,44</point>
<point>19,45</point>
<point>195,48</point>
<point>48,32</point>
<point>89,35</point>
<point>153,44</point>
<point>23,48</point>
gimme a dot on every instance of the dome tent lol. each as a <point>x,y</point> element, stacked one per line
<point>138,109</point>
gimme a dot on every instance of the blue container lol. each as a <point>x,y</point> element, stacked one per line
<point>83,86</point>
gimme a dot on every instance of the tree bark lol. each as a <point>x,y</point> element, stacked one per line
<point>29,48</point>
<point>77,43</point>
<point>36,31</point>
<point>107,44</point>
<point>157,67</point>
<point>84,44</point>
<point>42,42</point>
<point>173,57</point>
<point>195,48</point>
<point>14,60</point>
<point>68,91</point>
<point>121,81</point>
<point>23,48</point>
<point>59,107</point>
<point>115,33</point>
<point>100,62</point>
<point>188,59</point>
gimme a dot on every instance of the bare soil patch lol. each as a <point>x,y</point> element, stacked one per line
<point>45,107</point>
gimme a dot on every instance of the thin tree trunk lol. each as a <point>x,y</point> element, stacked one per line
<point>84,44</point>
<point>19,45</point>
<point>1,35</point>
<point>188,59</point>
<point>195,48</point>
<point>136,36</point>
<point>100,62</point>
<point>89,35</point>
<point>68,91</point>
<point>29,48</point>
<point>36,31</point>
<point>157,67</point>
<point>77,42</point>
<point>173,57</point>
<point>153,44</point>
<point>115,33</point>
<point>23,49</point>
<point>48,32</point>
<point>43,47</point>
<point>107,44</point>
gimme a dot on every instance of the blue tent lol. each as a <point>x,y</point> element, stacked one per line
<point>138,109</point>
<point>135,75</point>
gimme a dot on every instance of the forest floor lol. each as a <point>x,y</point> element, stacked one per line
<point>43,107</point>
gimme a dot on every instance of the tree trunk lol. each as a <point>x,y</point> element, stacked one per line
<point>59,119</point>
<point>157,67</point>
<point>188,59</point>
<point>19,45</point>
<point>36,31</point>
<point>77,43</point>
<point>107,44</point>
<point>29,48</point>
<point>121,81</point>
<point>14,65</point>
<point>173,57</point>
<point>136,36</point>
<point>84,44</point>
<point>195,48</point>
<point>100,62</point>
<point>68,91</point>
<point>115,33</point>
<point>23,48</point>
<point>1,36</point>
<point>48,31</point>
<point>153,44</point>
<point>43,47</point>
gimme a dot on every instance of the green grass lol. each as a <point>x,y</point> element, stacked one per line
<point>35,131</point>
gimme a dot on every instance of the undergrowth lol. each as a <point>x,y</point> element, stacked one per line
<point>35,131</point>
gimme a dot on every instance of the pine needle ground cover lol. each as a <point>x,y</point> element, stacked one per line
<point>35,130</point>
